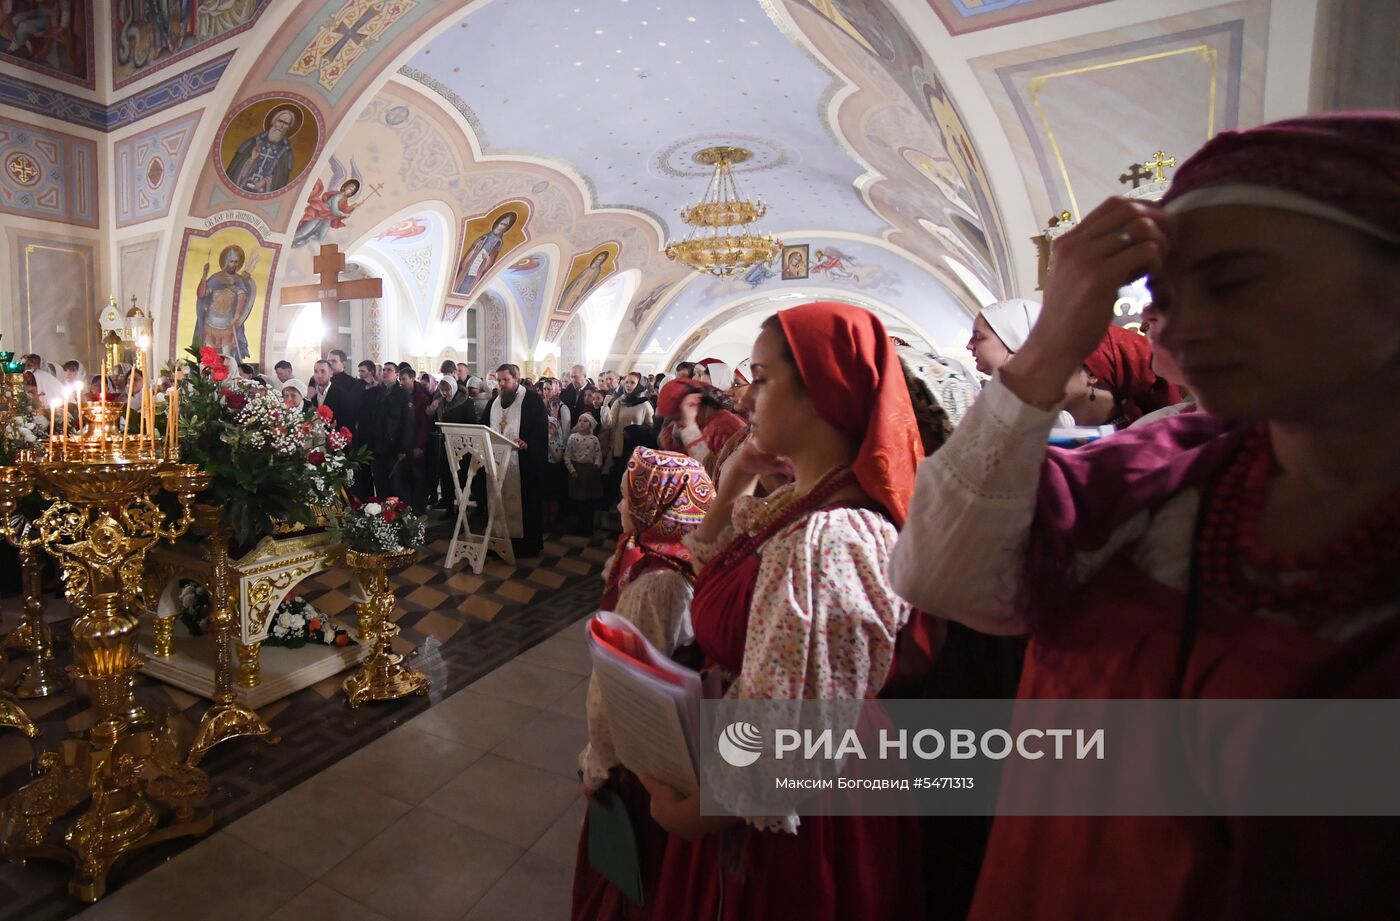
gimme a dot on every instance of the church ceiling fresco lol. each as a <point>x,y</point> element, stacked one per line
<point>969,15</point>
<point>528,279</point>
<point>858,268</point>
<point>1170,84</point>
<point>420,252</point>
<point>619,90</point>
<point>148,35</point>
<point>49,37</point>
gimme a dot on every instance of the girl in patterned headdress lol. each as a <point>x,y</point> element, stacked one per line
<point>648,581</point>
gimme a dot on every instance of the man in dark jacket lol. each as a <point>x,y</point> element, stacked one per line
<point>530,426</point>
<point>572,395</point>
<point>348,414</point>
<point>371,393</point>
<point>391,435</point>
<point>416,466</point>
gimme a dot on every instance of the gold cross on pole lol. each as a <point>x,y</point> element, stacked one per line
<point>1159,164</point>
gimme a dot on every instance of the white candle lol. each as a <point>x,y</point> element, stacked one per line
<point>54,404</point>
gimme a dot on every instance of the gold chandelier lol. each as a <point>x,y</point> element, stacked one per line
<point>712,245</point>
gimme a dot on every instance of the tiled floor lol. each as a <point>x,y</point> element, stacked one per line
<point>463,804</point>
<point>469,811</point>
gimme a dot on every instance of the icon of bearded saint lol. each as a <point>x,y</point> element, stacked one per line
<point>224,302</point>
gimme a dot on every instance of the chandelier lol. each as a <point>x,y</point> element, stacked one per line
<point>713,245</point>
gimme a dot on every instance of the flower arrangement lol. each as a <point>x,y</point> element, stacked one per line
<point>20,428</point>
<point>194,607</point>
<point>296,623</point>
<point>382,526</point>
<point>270,463</point>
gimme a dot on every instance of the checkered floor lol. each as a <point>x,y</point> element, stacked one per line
<point>456,626</point>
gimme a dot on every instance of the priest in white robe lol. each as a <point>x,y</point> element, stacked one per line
<point>518,413</point>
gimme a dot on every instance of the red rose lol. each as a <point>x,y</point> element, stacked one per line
<point>219,373</point>
<point>390,514</point>
<point>342,639</point>
<point>324,412</point>
<point>346,433</point>
<point>316,458</point>
<point>236,401</point>
<point>209,357</point>
<point>315,623</point>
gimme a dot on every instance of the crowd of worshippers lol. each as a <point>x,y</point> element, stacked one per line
<point>838,524</point>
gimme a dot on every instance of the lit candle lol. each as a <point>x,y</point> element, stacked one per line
<point>78,395</point>
<point>67,391</point>
<point>148,422</point>
<point>104,383</point>
<point>54,404</point>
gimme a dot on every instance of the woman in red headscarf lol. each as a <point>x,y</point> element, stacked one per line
<point>793,604</point>
<point>698,422</point>
<point>1246,551</point>
<point>1122,365</point>
<point>648,581</point>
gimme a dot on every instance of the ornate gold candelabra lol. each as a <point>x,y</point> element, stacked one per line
<point>382,676</point>
<point>43,676</point>
<point>225,719</point>
<point>99,525</point>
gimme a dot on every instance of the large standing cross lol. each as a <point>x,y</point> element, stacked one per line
<point>330,290</point>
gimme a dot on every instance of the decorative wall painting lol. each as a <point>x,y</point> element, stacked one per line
<point>221,290</point>
<point>328,208</point>
<point>486,239</point>
<point>268,143</point>
<point>52,37</point>
<point>150,34</point>
<point>794,261</point>
<point>585,272</point>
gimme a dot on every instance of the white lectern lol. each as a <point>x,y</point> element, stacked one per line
<point>490,452</point>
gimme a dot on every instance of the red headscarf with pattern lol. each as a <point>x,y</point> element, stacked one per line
<point>1123,363</point>
<point>668,495</point>
<point>851,371</point>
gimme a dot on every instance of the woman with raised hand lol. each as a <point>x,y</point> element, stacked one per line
<point>792,604</point>
<point>1241,551</point>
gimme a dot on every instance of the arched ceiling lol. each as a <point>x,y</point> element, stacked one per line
<point>926,140</point>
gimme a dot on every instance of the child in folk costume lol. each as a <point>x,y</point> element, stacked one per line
<point>648,581</point>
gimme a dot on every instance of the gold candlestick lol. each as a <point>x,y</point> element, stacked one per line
<point>383,675</point>
<point>225,719</point>
<point>43,676</point>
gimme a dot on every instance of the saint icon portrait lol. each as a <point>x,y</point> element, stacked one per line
<point>264,162</point>
<point>483,253</point>
<point>586,279</point>
<point>224,302</point>
<point>794,261</point>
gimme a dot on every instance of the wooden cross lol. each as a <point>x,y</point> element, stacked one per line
<point>1137,175</point>
<point>330,290</point>
<point>1159,164</point>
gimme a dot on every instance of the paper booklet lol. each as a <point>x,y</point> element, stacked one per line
<point>1079,434</point>
<point>653,704</point>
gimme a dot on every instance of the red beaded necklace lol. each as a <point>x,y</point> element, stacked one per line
<point>1354,569</point>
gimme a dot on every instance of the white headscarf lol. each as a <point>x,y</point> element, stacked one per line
<point>451,383</point>
<point>721,377</point>
<point>1012,320</point>
<point>294,384</point>
<point>50,387</point>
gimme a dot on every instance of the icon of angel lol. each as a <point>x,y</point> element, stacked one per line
<point>328,210</point>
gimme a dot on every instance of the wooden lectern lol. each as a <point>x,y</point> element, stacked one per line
<point>490,452</point>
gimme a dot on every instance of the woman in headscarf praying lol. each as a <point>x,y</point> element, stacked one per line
<point>1248,550</point>
<point>792,604</point>
<point>699,425</point>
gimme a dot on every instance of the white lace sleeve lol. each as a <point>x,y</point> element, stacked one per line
<point>823,620</point>
<point>658,603</point>
<point>962,550</point>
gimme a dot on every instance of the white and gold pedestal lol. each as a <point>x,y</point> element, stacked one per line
<point>259,581</point>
